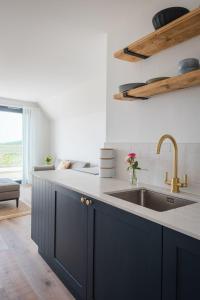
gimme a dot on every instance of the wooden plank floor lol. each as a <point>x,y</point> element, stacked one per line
<point>23,273</point>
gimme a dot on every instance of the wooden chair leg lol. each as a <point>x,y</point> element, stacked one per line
<point>17,202</point>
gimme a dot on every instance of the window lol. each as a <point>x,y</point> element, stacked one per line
<point>11,157</point>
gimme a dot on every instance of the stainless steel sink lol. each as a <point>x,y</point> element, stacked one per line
<point>152,200</point>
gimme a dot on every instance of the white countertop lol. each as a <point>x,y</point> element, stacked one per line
<point>184,219</point>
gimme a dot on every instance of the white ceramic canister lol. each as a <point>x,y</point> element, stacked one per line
<point>106,163</point>
<point>106,173</point>
<point>106,153</point>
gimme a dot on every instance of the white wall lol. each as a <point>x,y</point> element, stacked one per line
<point>79,124</point>
<point>176,113</point>
<point>154,166</point>
<point>137,126</point>
<point>41,136</point>
<point>79,138</point>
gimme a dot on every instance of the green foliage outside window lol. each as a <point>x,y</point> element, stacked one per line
<point>10,154</point>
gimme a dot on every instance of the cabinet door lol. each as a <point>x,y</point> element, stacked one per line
<point>181,266</point>
<point>42,216</point>
<point>70,252</point>
<point>124,255</point>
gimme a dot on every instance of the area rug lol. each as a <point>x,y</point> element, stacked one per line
<point>8,210</point>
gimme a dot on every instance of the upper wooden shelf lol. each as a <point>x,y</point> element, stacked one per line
<point>160,87</point>
<point>176,32</point>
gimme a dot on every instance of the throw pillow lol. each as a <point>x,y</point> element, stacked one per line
<point>64,164</point>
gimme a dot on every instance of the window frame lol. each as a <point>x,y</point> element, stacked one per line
<point>13,109</point>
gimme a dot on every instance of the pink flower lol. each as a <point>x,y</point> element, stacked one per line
<point>131,155</point>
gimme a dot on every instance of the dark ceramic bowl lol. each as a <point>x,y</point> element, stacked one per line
<point>168,15</point>
<point>130,86</point>
<point>155,79</point>
<point>186,70</point>
<point>188,63</point>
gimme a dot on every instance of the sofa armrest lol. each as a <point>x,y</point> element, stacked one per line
<point>43,168</point>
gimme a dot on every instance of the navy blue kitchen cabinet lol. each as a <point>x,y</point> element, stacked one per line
<point>70,240</point>
<point>104,253</point>
<point>125,255</point>
<point>59,228</point>
<point>181,266</point>
<point>43,215</point>
<point>100,252</point>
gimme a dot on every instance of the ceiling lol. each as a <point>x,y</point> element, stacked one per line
<point>50,49</point>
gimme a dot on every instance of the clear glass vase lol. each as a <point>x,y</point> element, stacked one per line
<point>133,177</point>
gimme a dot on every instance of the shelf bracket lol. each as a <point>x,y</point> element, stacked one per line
<point>132,53</point>
<point>125,95</point>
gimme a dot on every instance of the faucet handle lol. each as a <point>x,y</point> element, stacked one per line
<point>166,178</point>
<point>185,181</point>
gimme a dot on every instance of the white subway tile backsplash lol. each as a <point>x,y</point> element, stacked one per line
<point>154,166</point>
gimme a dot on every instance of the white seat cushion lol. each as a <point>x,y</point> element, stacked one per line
<point>7,185</point>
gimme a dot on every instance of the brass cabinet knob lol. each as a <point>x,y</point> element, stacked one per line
<point>83,200</point>
<point>88,202</point>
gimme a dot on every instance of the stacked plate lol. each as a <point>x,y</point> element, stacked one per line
<point>155,79</point>
<point>129,86</point>
<point>188,65</point>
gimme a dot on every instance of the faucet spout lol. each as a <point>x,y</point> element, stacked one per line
<point>175,181</point>
<point>175,158</point>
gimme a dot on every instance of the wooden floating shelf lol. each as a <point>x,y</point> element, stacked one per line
<point>176,32</point>
<point>160,87</point>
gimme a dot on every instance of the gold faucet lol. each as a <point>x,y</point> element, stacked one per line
<point>175,181</point>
